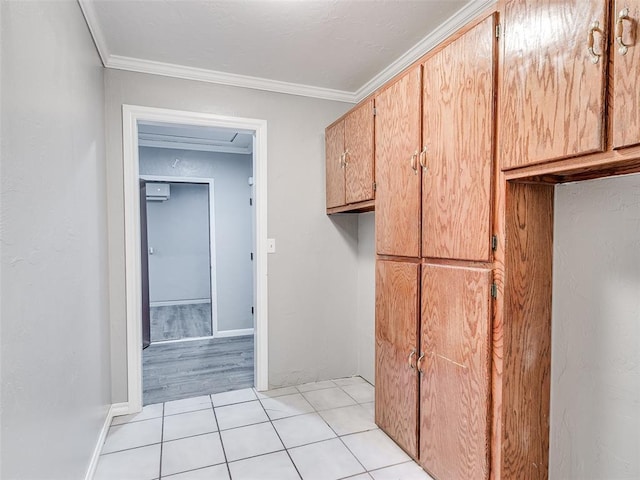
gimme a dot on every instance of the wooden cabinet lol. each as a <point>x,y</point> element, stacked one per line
<point>396,351</point>
<point>349,158</point>
<point>552,100</point>
<point>626,65</point>
<point>334,152</point>
<point>457,132</point>
<point>358,147</point>
<point>448,342</point>
<point>455,379</point>
<point>463,379</point>
<point>397,126</point>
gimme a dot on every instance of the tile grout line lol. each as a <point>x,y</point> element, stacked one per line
<point>282,442</point>
<point>271,421</point>
<point>224,452</point>
<point>218,429</point>
<point>161,444</point>
<point>345,445</point>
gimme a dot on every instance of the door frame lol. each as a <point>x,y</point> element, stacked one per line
<point>212,243</point>
<point>131,116</point>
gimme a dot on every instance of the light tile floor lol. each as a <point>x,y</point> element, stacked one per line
<point>315,431</point>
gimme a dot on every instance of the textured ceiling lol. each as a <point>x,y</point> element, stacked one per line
<point>335,44</point>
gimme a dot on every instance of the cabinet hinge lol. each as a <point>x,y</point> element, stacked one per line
<point>498,30</point>
<point>375,111</point>
<point>494,243</point>
<point>375,186</point>
<point>494,290</point>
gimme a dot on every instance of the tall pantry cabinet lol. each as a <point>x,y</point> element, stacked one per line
<point>464,240</point>
<point>434,163</point>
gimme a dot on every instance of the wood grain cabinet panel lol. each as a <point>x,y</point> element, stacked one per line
<point>349,158</point>
<point>455,383</point>
<point>358,143</point>
<point>396,407</point>
<point>334,150</point>
<point>397,145</point>
<point>626,71</point>
<point>458,99</point>
<point>552,96</point>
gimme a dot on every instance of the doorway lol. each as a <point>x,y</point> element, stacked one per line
<point>181,257</point>
<point>133,118</point>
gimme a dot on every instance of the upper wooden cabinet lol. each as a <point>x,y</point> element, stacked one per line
<point>457,156</point>
<point>358,147</point>
<point>626,68</point>
<point>349,158</point>
<point>552,100</point>
<point>398,175</point>
<point>334,151</point>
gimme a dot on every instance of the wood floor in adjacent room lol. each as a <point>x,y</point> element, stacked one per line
<point>176,370</point>
<point>175,322</point>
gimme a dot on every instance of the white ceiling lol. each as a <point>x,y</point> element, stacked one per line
<point>339,49</point>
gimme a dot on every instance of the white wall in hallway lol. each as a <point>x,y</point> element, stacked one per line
<point>178,240</point>
<point>312,276</point>
<point>233,232</point>
<point>54,349</point>
<point>595,370</point>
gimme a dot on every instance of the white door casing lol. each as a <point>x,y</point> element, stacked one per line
<point>131,116</point>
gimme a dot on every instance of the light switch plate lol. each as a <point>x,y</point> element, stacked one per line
<point>271,245</point>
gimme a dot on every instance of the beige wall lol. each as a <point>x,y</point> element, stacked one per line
<point>313,275</point>
<point>595,370</point>
<point>54,312</point>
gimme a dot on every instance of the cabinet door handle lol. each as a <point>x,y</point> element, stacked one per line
<point>346,156</point>
<point>411,355</point>
<point>623,15</point>
<point>414,162</point>
<point>423,158</point>
<point>341,160</point>
<point>419,363</point>
<point>595,27</point>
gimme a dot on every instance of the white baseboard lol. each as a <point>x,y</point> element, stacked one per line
<point>179,340</point>
<point>233,333</point>
<point>168,303</point>
<point>114,410</point>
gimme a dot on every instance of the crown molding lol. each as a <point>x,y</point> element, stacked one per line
<point>94,28</point>
<point>455,22</point>
<point>450,26</point>
<point>223,78</point>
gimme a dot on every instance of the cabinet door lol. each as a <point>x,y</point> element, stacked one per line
<point>626,65</point>
<point>397,142</point>
<point>358,143</point>
<point>458,88</point>
<point>396,351</point>
<point>454,386</point>
<point>334,149</point>
<point>552,95</point>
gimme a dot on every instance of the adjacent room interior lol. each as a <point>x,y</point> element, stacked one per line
<point>199,269</point>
